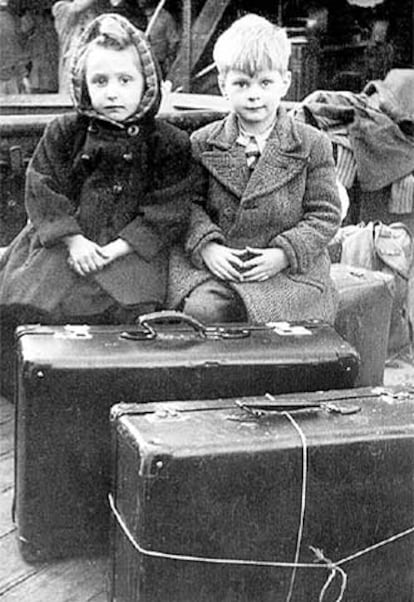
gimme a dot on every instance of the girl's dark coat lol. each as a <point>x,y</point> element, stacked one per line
<point>92,177</point>
<point>290,201</point>
<point>106,180</point>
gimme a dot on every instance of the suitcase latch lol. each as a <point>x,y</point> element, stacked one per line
<point>74,331</point>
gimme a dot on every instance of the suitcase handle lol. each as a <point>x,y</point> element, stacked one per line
<point>274,405</point>
<point>266,410</point>
<point>147,321</point>
<point>149,332</point>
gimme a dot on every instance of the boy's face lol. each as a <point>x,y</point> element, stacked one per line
<point>115,82</point>
<point>255,98</point>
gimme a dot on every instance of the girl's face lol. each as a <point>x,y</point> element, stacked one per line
<point>115,81</point>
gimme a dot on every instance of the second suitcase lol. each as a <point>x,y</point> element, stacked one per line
<point>217,501</point>
<point>69,377</point>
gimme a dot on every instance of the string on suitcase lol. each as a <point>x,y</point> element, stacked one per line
<point>303,495</point>
<point>232,561</point>
<point>334,567</point>
<point>322,562</point>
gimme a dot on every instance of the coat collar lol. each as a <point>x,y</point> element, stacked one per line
<point>282,158</point>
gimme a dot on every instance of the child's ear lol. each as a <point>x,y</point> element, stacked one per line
<point>287,80</point>
<point>221,80</point>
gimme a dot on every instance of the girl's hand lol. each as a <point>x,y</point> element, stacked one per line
<point>85,256</point>
<point>222,261</point>
<point>265,264</point>
<point>115,249</point>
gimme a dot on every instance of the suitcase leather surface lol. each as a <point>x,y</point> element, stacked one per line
<point>214,480</point>
<point>363,317</point>
<point>69,377</point>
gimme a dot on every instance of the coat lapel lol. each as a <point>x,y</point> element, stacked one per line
<point>226,160</point>
<point>282,159</point>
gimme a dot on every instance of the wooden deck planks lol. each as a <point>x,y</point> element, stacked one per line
<point>76,580</point>
<point>6,470</point>
<point>13,569</point>
<point>6,501</point>
<point>6,427</point>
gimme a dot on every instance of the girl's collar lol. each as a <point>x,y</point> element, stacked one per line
<point>133,124</point>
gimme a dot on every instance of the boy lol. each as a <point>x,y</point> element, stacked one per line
<point>107,193</point>
<point>266,203</point>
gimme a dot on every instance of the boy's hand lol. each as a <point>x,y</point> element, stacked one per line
<point>264,264</point>
<point>223,261</point>
<point>85,256</point>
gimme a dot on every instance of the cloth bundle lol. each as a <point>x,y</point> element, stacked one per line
<point>389,249</point>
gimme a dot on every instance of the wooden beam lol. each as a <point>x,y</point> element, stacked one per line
<point>180,72</point>
<point>205,26</point>
<point>195,39</point>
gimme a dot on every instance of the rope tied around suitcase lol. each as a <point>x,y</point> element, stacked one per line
<point>321,561</point>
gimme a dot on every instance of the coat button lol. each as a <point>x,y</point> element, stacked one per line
<point>117,188</point>
<point>133,130</point>
<point>127,157</point>
<point>85,157</point>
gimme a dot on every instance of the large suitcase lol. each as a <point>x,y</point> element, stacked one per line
<point>69,377</point>
<point>295,498</point>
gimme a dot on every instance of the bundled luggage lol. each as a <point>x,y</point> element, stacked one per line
<point>268,498</point>
<point>387,249</point>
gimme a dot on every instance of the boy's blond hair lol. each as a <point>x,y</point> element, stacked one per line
<point>252,44</point>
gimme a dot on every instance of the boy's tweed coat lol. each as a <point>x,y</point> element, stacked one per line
<point>104,180</point>
<point>290,201</point>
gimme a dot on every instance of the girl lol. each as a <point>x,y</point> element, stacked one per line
<point>107,194</point>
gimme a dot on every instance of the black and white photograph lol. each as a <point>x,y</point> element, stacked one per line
<point>207,301</point>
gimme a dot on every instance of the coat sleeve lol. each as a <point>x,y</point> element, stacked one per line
<point>202,229</point>
<point>48,182</point>
<point>165,209</point>
<point>321,204</point>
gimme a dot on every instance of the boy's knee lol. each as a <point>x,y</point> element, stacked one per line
<point>214,302</point>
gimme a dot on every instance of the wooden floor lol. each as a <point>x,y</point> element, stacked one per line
<point>82,580</point>
<point>79,580</point>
